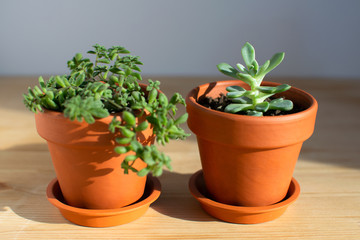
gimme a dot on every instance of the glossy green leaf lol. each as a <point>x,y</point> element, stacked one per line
<point>142,126</point>
<point>254,113</point>
<point>282,88</point>
<point>130,158</point>
<point>120,150</point>
<point>235,89</point>
<point>244,100</point>
<point>235,94</point>
<point>234,107</point>
<point>227,70</point>
<point>262,107</point>
<point>281,104</point>
<point>266,89</point>
<point>275,61</point>
<point>248,53</point>
<point>127,133</point>
<point>123,140</point>
<point>129,118</point>
<point>246,78</point>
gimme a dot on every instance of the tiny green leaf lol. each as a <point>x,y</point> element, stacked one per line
<point>129,118</point>
<point>120,150</point>
<point>142,126</point>
<point>181,119</point>
<point>123,140</point>
<point>143,172</point>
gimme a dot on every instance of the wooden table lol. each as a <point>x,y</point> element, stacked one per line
<point>328,171</point>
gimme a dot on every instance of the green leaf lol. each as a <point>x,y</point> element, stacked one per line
<point>242,100</point>
<point>152,95</point>
<point>143,172</point>
<point>240,67</point>
<point>42,83</point>
<point>227,70</point>
<point>234,107</point>
<point>235,94</point>
<point>127,132</point>
<point>181,119</point>
<point>235,89</point>
<point>282,88</point>
<point>163,100</point>
<point>266,89</point>
<point>135,145</point>
<point>123,140</point>
<point>281,104</point>
<point>120,150</point>
<point>130,158</point>
<point>262,107</point>
<point>275,61</point>
<point>254,113</point>
<point>142,126</point>
<point>248,53</point>
<point>59,81</point>
<point>78,57</point>
<point>262,69</point>
<point>106,61</point>
<point>246,78</point>
<point>129,118</point>
<point>80,79</point>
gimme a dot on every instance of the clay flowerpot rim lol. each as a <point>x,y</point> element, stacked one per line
<point>154,194</point>
<point>191,99</point>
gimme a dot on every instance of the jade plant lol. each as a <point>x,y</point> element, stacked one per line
<point>254,102</point>
<point>110,84</point>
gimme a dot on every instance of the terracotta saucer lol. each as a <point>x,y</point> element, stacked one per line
<point>240,214</point>
<point>104,217</point>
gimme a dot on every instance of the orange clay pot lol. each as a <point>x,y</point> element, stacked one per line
<point>247,160</point>
<point>87,168</point>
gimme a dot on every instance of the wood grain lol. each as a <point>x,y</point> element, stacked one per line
<point>328,171</point>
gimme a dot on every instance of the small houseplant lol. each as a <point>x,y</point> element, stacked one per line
<point>101,125</point>
<point>249,133</point>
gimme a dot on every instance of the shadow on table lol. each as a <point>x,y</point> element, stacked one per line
<point>23,188</point>
<point>24,192</point>
<point>176,201</point>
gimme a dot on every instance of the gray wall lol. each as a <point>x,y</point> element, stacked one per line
<point>183,37</point>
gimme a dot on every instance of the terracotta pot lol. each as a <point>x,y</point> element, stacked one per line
<point>247,160</point>
<point>87,168</point>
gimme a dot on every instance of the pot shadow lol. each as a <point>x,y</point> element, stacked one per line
<point>24,192</point>
<point>176,200</point>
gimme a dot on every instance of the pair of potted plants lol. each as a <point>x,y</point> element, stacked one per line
<point>101,125</point>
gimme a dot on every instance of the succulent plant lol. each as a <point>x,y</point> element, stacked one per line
<point>110,84</point>
<point>253,101</point>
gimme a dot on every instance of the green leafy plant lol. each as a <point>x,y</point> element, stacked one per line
<point>110,84</point>
<point>253,101</point>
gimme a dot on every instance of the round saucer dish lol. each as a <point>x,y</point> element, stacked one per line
<point>240,214</point>
<point>104,217</point>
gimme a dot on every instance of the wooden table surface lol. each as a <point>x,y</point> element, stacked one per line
<point>328,171</point>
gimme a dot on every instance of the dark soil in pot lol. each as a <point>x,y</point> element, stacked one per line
<point>222,101</point>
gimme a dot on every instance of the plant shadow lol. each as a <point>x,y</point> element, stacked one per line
<point>176,201</point>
